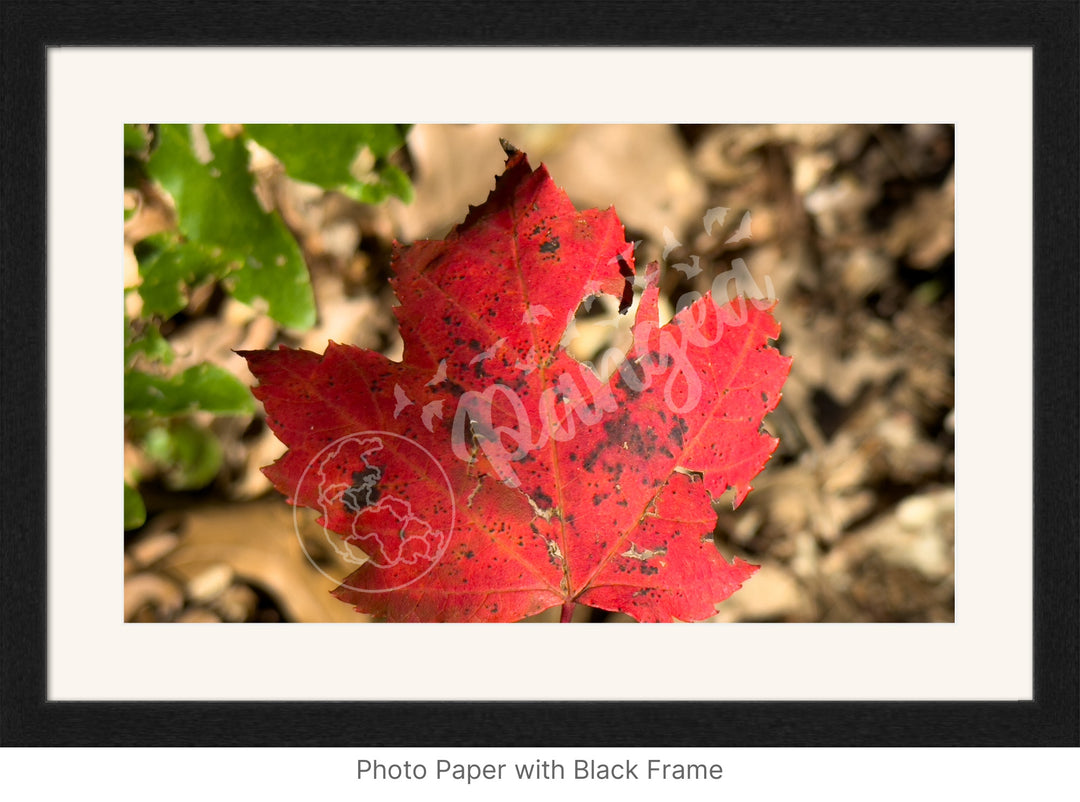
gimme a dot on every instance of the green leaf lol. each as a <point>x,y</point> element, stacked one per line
<point>392,181</point>
<point>348,158</point>
<point>136,140</point>
<point>189,456</point>
<point>170,269</point>
<point>202,387</point>
<point>217,208</point>
<point>129,212</point>
<point>134,508</point>
<point>397,183</point>
<point>147,342</point>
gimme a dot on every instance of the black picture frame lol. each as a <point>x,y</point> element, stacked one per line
<point>1052,29</point>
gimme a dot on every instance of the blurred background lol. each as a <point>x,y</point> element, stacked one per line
<point>850,225</point>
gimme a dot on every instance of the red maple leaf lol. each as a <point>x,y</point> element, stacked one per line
<point>489,475</point>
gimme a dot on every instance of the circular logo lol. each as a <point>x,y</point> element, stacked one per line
<point>385,503</point>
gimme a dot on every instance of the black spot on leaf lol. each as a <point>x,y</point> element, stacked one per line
<point>365,489</point>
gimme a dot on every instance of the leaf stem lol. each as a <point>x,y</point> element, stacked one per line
<point>567,612</point>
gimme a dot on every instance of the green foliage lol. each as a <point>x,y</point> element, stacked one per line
<point>134,508</point>
<point>147,343</point>
<point>170,268</point>
<point>188,455</point>
<point>136,140</point>
<point>201,388</point>
<point>351,159</point>
<point>223,234</point>
<point>217,209</point>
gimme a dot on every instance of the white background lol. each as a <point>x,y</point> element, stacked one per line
<point>291,775</point>
<point>986,654</point>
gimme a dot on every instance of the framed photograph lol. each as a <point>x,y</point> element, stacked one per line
<point>443,330</point>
